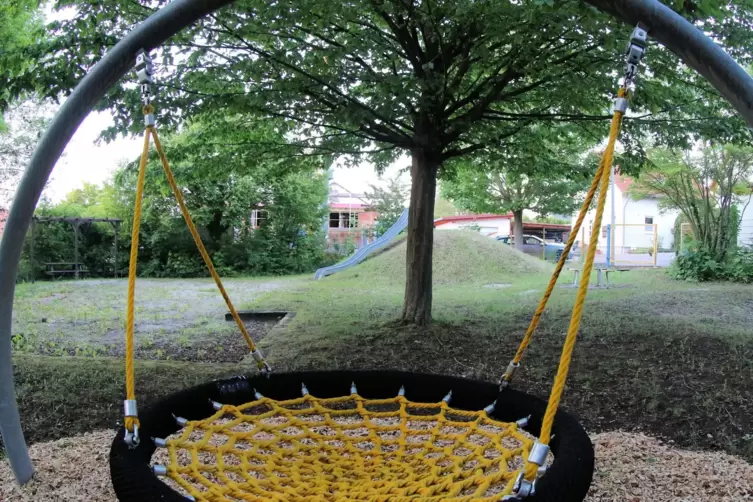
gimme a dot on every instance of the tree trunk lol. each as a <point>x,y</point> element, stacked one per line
<point>517,220</point>
<point>419,252</point>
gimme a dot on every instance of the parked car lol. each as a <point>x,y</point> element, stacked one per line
<point>538,247</point>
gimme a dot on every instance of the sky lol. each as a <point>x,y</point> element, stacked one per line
<point>85,161</point>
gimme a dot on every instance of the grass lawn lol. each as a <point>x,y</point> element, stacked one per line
<point>173,318</point>
<point>672,359</point>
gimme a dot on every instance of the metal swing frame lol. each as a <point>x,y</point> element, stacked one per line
<point>669,28</point>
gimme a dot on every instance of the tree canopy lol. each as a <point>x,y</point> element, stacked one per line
<point>438,78</point>
<point>256,215</point>
<point>389,201</point>
<point>24,123</point>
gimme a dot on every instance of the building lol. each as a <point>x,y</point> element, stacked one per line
<point>490,225</point>
<point>636,221</point>
<point>501,225</point>
<point>745,234</point>
<point>349,215</point>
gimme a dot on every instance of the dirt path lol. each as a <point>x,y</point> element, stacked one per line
<point>629,468</point>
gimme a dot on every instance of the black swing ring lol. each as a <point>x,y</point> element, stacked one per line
<point>566,480</point>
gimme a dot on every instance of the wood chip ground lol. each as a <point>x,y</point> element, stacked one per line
<point>629,468</point>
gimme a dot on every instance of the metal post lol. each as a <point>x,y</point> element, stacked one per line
<point>582,244</point>
<point>656,242</point>
<point>543,248</point>
<point>75,249</point>
<point>612,176</point>
<point>116,229</point>
<point>609,246</point>
<point>32,254</point>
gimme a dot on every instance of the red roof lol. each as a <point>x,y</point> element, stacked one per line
<point>342,205</point>
<point>469,217</point>
<point>623,182</point>
<point>541,226</point>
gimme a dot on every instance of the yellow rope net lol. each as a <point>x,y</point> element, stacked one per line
<point>346,448</point>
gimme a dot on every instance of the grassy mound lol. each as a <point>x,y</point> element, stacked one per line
<point>459,257</point>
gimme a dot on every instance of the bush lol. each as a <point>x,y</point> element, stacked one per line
<point>700,265</point>
<point>740,266</point>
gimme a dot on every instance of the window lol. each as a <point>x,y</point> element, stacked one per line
<point>343,220</point>
<point>334,220</point>
<point>649,222</point>
<point>604,231</point>
<point>258,218</point>
<point>532,240</point>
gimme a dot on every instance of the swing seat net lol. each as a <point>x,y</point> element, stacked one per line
<point>345,448</point>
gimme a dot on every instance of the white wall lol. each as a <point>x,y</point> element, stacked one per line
<point>496,226</point>
<point>632,212</point>
<point>745,236</point>
<point>635,212</point>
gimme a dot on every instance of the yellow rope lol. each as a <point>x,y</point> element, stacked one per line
<point>129,350</point>
<point>558,269</point>
<point>572,332</point>
<point>200,245</point>
<point>347,448</point>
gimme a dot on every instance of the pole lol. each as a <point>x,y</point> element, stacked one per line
<point>582,244</point>
<point>116,229</point>
<point>612,174</point>
<point>325,205</point>
<point>610,242</point>
<point>624,222</point>
<point>656,242</point>
<point>75,250</point>
<point>32,254</point>
<point>543,246</point>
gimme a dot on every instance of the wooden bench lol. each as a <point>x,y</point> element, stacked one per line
<point>599,273</point>
<point>57,270</point>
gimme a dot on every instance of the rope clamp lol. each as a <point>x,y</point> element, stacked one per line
<point>131,410</point>
<point>621,105</point>
<point>538,456</point>
<point>522,488</point>
<point>132,438</point>
<point>264,367</point>
<point>509,373</point>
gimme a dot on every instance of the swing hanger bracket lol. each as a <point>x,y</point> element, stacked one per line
<point>145,75</point>
<point>634,52</point>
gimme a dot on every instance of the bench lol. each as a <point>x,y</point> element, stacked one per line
<point>62,269</point>
<point>599,273</point>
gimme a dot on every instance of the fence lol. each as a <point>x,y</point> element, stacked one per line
<point>632,244</point>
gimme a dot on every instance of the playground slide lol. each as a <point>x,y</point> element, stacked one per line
<point>365,251</point>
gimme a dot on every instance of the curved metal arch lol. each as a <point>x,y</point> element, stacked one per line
<point>664,25</point>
